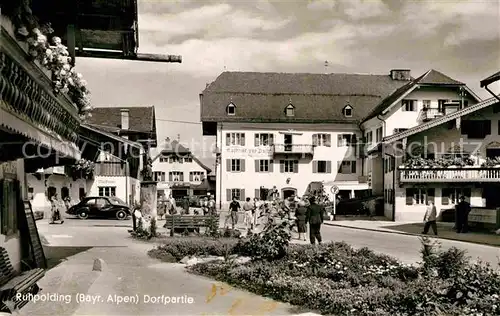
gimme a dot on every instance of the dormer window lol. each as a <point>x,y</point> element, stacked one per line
<point>347,111</point>
<point>231,109</point>
<point>290,110</point>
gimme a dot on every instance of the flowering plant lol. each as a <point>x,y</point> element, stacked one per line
<point>83,168</point>
<point>56,58</point>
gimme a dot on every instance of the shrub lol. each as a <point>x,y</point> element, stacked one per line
<point>179,248</point>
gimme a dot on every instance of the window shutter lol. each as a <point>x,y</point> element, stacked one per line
<point>242,139</point>
<point>242,194</point>
<point>190,176</point>
<point>339,140</point>
<point>315,166</point>
<point>257,166</point>
<point>295,166</point>
<point>170,176</point>
<point>228,139</point>
<point>228,195</point>
<point>271,165</point>
<point>328,167</point>
<point>256,140</point>
<point>339,166</point>
<point>271,139</point>
<point>257,193</point>
<point>315,139</point>
<point>228,164</point>
<point>242,165</point>
<point>353,166</point>
<point>282,166</point>
<point>430,195</point>
<point>328,142</point>
<point>409,197</point>
<point>182,177</point>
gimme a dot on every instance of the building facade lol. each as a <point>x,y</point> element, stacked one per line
<point>441,160</point>
<point>179,173</point>
<point>288,130</point>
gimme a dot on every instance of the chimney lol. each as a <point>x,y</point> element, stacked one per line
<point>401,74</point>
<point>125,119</point>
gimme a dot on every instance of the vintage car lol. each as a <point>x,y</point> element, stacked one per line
<point>101,207</point>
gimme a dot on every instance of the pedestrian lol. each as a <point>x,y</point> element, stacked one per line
<point>256,210</point>
<point>67,202</point>
<point>172,205</point>
<point>430,218</point>
<point>248,206</point>
<point>55,213</point>
<point>211,206</point>
<point>185,205</point>
<point>234,207</point>
<point>314,217</point>
<point>300,219</point>
<point>204,206</point>
<point>462,215</point>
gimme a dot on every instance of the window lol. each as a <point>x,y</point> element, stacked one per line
<point>159,176</point>
<point>378,134</point>
<point>10,194</point>
<point>188,159</point>
<point>235,165</point>
<point>419,196</point>
<point>31,194</point>
<point>322,166</point>
<point>346,140</point>
<point>263,165</point>
<point>264,139</point>
<point>476,129</point>
<point>196,176</point>
<point>163,159</point>
<point>231,109</point>
<point>290,110</point>
<point>389,165</point>
<point>452,195</point>
<point>107,191</point>
<point>409,105</point>
<point>322,140</point>
<point>176,176</point>
<point>347,167</point>
<point>347,111</point>
<point>289,166</point>
<point>235,193</point>
<point>441,105</point>
<point>369,137</point>
<point>174,159</point>
<point>101,203</point>
<point>235,139</point>
<point>426,104</point>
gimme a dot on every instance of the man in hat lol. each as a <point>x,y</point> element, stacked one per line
<point>462,213</point>
<point>314,217</point>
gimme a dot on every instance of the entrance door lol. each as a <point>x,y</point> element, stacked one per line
<point>490,194</point>
<point>288,142</point>
<point>288,193</point>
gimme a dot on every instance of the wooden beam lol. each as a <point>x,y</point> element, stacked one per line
<point>159,58</point>
<point>138,57</point>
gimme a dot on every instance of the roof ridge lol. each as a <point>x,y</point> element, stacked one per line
<point>305,73</point>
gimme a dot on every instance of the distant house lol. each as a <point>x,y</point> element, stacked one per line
<point>180,173</point>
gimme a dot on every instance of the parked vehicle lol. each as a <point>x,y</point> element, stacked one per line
<point>101,207</point>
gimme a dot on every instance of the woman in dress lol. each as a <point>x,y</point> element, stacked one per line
<point>300,218</point>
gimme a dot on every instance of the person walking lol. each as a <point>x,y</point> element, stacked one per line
<point>55,213</point>
<point>211,206</point>
<point>314,217</point>
<point>430,218</point>
<point>300,219</point>
<point>234,207</point>
<point>248,206</point>
<point>462,213</point>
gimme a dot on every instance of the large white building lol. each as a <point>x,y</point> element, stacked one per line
<point>180,173</point>
<point>288,130</point>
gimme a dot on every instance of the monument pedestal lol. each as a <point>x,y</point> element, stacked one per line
<point>148,207</point>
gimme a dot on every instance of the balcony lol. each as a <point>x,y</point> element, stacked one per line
<point>451,174</point>
<point>292,149</point>
<point>428,114</point>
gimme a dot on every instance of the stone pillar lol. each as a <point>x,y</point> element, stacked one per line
<point>148,206</point>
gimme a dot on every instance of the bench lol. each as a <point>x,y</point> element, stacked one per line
<point>13,283</point>
<point>189,222</point>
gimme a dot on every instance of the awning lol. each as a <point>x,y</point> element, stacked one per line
<point>14,123</point>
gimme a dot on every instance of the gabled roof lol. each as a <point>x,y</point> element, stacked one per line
<point>141,119</point>
<point>430,78</point>
<point>490,79</point>
<point>112,136</point>
<point>175,148</point>
<point>262,97</point>
<point>441,120</point>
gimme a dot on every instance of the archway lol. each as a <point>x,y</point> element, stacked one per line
<point>288,192</point>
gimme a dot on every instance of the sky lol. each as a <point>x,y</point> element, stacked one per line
<point>458,38</point>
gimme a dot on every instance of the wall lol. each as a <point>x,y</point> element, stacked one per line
<point>13,169</point>
<point>251,180</point>
<point>107,181</point>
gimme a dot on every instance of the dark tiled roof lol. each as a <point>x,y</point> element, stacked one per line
<point>141,119</point>
<point>435,77</point>
<point>174,148</point>
<point>316,97</point>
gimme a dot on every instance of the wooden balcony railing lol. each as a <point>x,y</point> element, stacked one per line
<point>293,149</point>
<point>465,174</point>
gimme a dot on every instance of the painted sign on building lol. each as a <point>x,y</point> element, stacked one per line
<point>101,181</point>
<point>264,152</point>
<point>482,215</point>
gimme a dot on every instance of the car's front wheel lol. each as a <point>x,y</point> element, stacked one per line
<point>121,215</point>
<point>83,214</point>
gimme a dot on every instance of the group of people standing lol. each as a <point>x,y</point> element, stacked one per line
<point>56,209</point>
<point>462,210</point>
